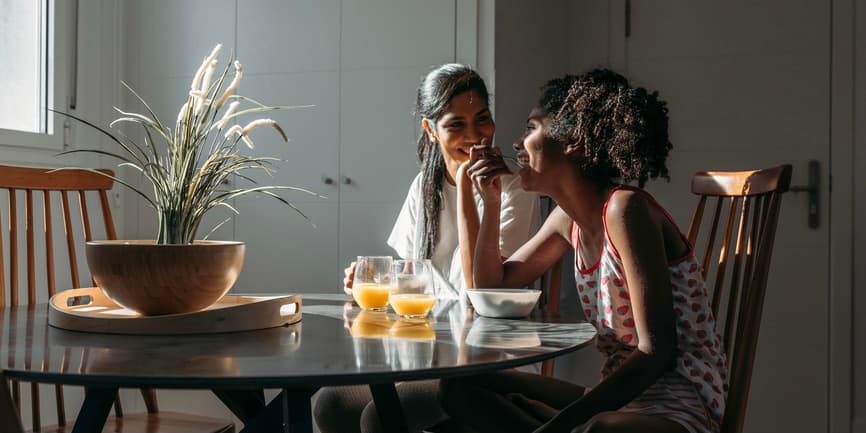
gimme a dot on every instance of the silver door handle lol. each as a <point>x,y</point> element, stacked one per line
<point>814,190</point>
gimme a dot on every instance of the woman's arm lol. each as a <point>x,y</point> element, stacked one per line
<point>635,229</point>
<point>519,216</point>
<point>483,256</point>
<point>467,221</point>
<point>539,253</point>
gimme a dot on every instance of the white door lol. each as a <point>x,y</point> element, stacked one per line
<point>388,46</point>
<point>290,52</point>
<point>748,86</point>
<point>359,63</point>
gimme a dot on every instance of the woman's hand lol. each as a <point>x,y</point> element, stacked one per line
<point>485,168</point>
<point>348,277</point>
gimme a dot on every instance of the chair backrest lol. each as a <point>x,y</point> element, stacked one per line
<point>738,276</point>
<point>41,185</point>
<point>550,283</point>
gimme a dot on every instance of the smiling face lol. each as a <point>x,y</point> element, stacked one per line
<point>464,123</point>
<point>537,152</point>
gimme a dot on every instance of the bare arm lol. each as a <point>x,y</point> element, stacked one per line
<point>467,223</point>
<point>636,230</point>
<point>529,261</point>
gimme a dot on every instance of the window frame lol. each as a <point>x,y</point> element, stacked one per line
<point>59,71</point>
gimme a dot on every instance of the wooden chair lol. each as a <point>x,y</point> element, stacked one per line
<point>550,284</point>
<point>30,182</point>
<point>751,202</point>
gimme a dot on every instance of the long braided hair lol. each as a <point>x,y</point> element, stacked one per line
<point>624,129</point>
<point>434,97</point>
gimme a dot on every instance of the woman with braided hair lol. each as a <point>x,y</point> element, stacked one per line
<point>452,105</point>
<point>636,275</point>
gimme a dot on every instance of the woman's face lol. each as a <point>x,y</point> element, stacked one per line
<point>536,152</point>
<point>465,122</point>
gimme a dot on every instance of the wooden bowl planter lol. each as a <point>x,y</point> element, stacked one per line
<point>156,279</point>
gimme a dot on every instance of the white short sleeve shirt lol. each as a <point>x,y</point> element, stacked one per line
<point>519,218</point>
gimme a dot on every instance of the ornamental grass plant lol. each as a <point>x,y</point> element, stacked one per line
<point>190,166</point>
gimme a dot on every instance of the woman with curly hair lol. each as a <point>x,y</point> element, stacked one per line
<point>638,280</point>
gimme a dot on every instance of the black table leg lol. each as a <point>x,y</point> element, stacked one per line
<point>388,405</point>
<point>94,410</point>
<point>287,412</point>
<point>245,404</point>
<point>300,418</point>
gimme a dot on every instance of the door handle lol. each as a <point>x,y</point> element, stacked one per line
<point>814,190</point>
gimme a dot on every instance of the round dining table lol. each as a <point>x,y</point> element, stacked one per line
<point>335,343</point>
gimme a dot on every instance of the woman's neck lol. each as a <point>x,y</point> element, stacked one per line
<point>583,200</point>
<point>451,172</point>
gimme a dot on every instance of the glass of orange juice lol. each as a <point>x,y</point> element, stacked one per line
<point>412,291</point>
<point>372,283</point>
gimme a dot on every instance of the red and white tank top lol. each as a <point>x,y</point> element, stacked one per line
<point>604,296</point>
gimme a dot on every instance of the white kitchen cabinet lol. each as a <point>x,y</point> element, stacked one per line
<point>358,62</point>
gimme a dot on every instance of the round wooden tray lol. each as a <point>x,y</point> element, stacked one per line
<point>89,310</point>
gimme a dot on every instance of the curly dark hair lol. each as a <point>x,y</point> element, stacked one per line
<point>623,129</point>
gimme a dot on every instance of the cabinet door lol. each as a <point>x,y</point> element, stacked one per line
<point>747,86</point>
<point>388,46</point>
<point>166,43</point>
<point>290,53</point>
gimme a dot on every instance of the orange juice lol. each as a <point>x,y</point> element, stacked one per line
<point>412,304</point>
<point>371,295</point>
<point>371,324</point>
<point>415,329</point>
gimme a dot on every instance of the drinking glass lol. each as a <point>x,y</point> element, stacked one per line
<point>412,291</point>
<point>372,282</point>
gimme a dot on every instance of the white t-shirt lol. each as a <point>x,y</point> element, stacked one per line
<point>519,218</point>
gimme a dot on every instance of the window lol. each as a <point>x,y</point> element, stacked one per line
<point>24,53</point>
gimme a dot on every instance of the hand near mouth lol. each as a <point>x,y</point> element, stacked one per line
<point>486,166</point>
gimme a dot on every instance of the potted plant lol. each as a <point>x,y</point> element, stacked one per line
<point>188,168</point>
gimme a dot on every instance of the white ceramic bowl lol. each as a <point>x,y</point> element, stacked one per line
<point>503,303</point>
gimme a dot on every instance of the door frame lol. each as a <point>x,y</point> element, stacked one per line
<point>841,218</point>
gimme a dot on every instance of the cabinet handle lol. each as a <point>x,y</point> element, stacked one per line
<point>347,180</point>
<point>327,180</point>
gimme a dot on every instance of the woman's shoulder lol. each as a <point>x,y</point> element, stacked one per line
<point>627,203</point>
<point>416,181</point>
<point>415,185</point>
